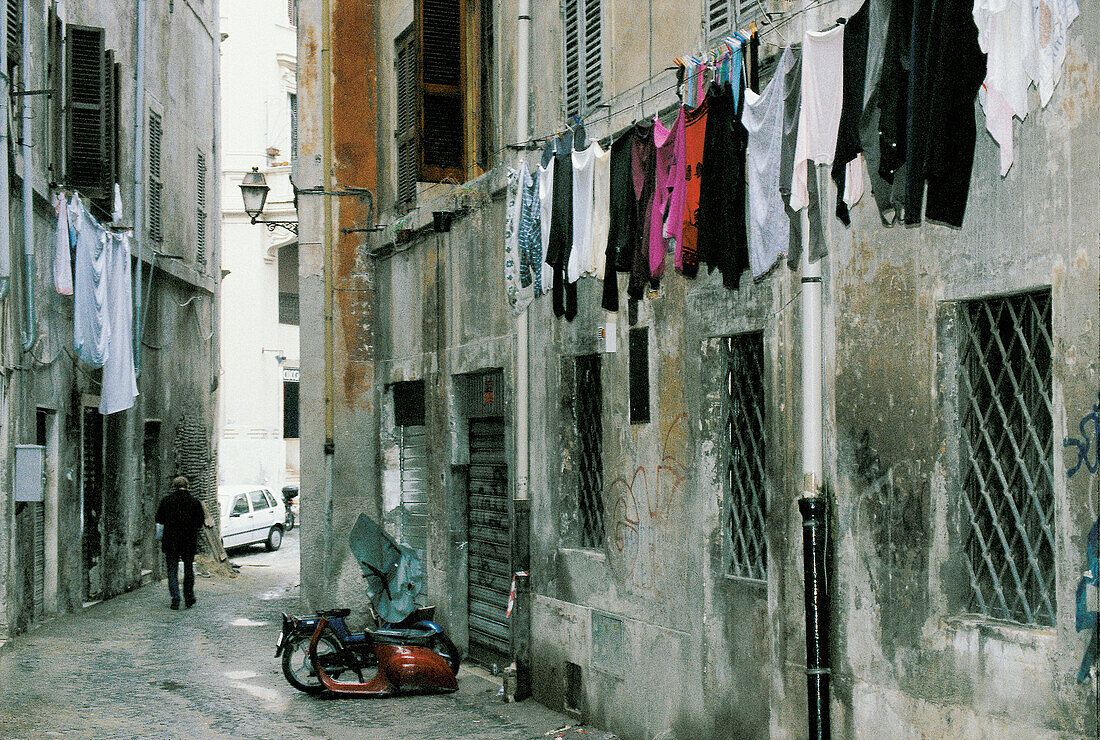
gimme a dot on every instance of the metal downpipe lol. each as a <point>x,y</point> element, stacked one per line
<point>139,182</point>
<point>814,504</point>
<point>30,335</point>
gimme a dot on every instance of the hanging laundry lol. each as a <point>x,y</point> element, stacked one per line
<point>819,120</point>
<point>695,129</point>
<point>642,167</point>
<point>533,272</point>
<point>119,387</point>
<point>561,230</point>
<point>722,238</point>
<point>667,212</point>
<point>769,227</point>
<point>546,204</point>
<point>947,68</point>
<point>622,219</point>
<point>1052,19</point>
<point>513,208</point>
<point>849,145</point>
<point>91,321</point>
<point>62,253</point>
<point>591,193</point>
<point>792,109</point>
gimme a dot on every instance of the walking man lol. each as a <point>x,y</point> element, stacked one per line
<point>181,515</point>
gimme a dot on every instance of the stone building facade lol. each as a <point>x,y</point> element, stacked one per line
<point>665,587</point>
<point>132,100</point>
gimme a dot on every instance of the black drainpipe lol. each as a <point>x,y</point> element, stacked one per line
<point>815,540</point>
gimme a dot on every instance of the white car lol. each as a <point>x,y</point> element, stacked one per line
<point>251,514</point>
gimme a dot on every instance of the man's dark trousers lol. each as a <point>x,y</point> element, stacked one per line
<point>173,561</point>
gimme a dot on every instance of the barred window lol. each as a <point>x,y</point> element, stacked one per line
<point>589,408</point>
<point>1007,451</point>
<point>746,499</point>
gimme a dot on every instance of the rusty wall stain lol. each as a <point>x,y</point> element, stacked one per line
<point>354,123</point>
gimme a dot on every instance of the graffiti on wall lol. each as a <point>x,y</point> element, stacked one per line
<point>641,508</point>
<point>1086,617</point>
<point>1088,445</point>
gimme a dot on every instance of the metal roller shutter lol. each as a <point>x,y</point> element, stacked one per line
<point>414,488</point>
<point>489,569</point>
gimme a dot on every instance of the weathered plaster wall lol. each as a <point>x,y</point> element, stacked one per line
<point>701,653</point>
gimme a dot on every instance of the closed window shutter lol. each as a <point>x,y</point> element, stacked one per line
<point>442,133</point>
<point>405,67</point>
<point>110,128</point>
<point>572,59</point>
<point>88,151</point>
<point>155,183</point>
<point>15,32</point>
<point>723,16</point>
<point>719,17</point>
<point>593,55</point>
<point>583,56</point>
<point>200,208</point>
<point>292,99</point>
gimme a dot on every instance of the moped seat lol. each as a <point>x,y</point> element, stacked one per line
<point>398,636</point>
<point>335,613</point>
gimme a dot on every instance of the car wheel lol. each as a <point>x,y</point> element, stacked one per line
<point>274,539</point>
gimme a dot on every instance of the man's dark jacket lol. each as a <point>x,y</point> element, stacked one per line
<point>182,516</point>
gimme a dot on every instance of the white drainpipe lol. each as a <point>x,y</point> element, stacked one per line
<point>523,439</point>
<point>139,179</point>
<point>31,334</point>
<point>5,142</point>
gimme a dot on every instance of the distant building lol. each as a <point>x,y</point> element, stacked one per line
<point>258,419</point>
<point>136,110</point>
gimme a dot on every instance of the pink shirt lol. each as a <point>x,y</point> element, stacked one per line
<point>666,219</point>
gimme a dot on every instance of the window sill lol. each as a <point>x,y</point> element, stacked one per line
<point>1006,632</point>
<point>598,555</point>
<point>745,580</point>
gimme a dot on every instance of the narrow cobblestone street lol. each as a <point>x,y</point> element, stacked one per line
<point>131,668</point>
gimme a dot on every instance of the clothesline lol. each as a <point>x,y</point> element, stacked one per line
<point>861,79</point>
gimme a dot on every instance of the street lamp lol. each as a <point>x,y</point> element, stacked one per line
<point>254,189</point>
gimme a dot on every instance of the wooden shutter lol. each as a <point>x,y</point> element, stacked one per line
<point>292,99</point>
<point>87,149</point>
<point>200,208</point>
<point>108,168</point>
<point>405,133</point>
<point>593,55</point>
<point>156,184</point>
<point>583,56</point>
<point>573,100</point>
<point>719,18</point>
<point>441,140</point>
<point>15,32</point>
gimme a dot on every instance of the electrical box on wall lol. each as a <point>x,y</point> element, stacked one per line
<point>607,337</point>
<point>30,467</point>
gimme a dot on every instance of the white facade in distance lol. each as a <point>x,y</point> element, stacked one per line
<point>259,354</point>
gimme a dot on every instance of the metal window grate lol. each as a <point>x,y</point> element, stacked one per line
<point>1007,451</point>
<point>746,500</point>
<point>590,436</point>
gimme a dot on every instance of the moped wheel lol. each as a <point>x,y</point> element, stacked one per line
<point>297,667</point>
<point>442,646</point>
<point>289,520</point>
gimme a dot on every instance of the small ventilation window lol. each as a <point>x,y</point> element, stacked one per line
<point>639,375</point>
<point>200,208</point>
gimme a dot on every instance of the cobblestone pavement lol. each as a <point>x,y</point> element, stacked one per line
<point>131,668</point>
